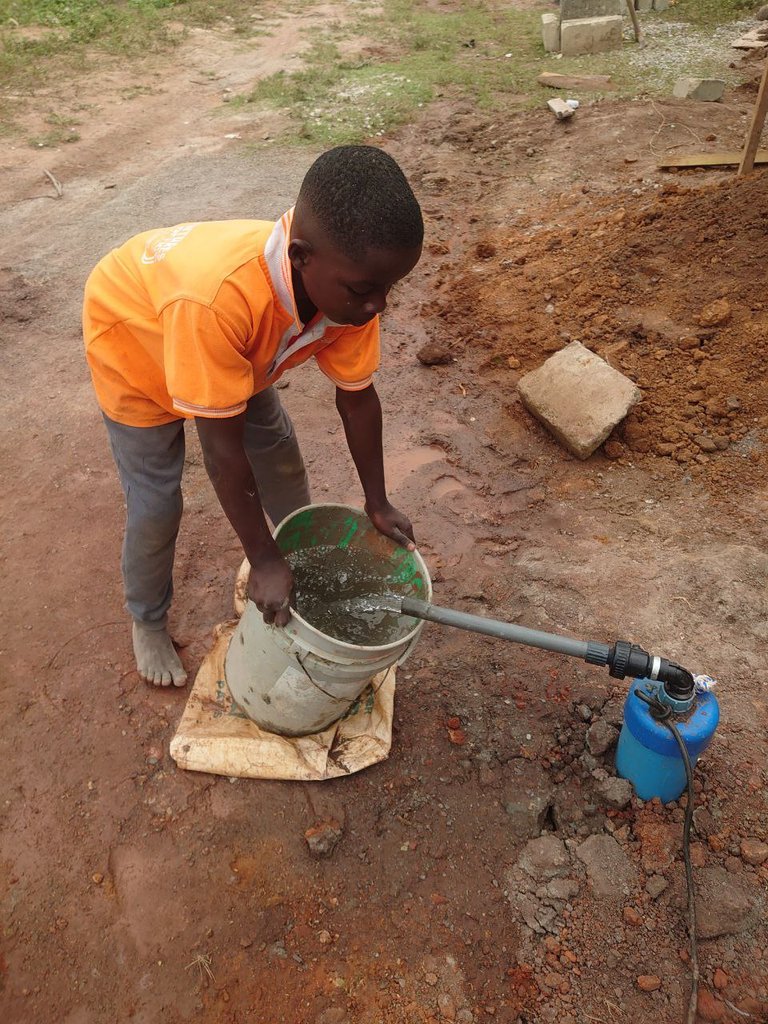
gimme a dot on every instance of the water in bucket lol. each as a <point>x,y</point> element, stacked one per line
<point>346,594</point>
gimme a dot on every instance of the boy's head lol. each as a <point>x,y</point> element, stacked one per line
<point>357,229</point>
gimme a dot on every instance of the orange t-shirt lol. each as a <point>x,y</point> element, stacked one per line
<point>195,319</point>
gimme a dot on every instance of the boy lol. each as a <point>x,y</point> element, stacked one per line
<point>197,322</point>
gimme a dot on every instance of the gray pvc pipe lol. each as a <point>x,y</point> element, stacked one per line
<point>492,627</point>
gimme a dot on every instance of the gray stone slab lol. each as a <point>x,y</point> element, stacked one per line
<point>660,5</point>
<point>704,90</point>
<point>644,6</point>
<point>550,32</point>
<point>591,35</point>
<point>578,397</point>
<point>571,10</point>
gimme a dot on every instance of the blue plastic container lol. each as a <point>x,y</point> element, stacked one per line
<point>648,754</point>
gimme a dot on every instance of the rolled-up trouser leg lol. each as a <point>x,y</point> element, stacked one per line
<point>274,455</point>
<point>149,462</point>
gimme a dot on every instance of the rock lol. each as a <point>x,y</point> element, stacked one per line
<point>324,937</point>
<point>648,982</point>
<point>608,867</point>
<point>709,1007</point>
<point>563,888</point>
<point>762,14</point>
<point>446,1005</point>
<point>526,908</point>
<point>433,354</point>
<point>615,792</point>
<point>705,443</point>
<point>578,397</point>
<point>513,363</point>
<point>528,802</point>
<point>724,905</point>
<point>644,6</point>
<point>613,713</point>
<point>632,916</point>
<point>550,32</point>
<point>562,112</point>
<point>571,10</point>
<point>323,838</point>
<point>715,314</point>
<point>601,737</point>
<point>465,1016</point>
<point>720,979</point>
<point>655,886</point>
<point>591,35</point>
<point>544,857</point>
<point>659,842</point>
<point>613,449</point>
<point>753,851</point>
<point>660,5</point>
<point>430,978</point>
<point>703,90</point>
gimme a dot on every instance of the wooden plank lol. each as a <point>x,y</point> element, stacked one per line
<point>597,83</point>
<point>729,158</point>
<point>749,44</point>
<point>756,127</point>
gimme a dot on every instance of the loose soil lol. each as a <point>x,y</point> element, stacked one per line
<point>134,892</point>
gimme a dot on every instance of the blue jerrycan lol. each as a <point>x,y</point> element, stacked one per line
<point>648,755</point>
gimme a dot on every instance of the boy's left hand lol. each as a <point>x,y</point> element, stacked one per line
<point>393,523</point>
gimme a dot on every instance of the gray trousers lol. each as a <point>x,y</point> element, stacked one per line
<point>150,461</point>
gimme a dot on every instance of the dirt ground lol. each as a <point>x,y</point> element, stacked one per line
<point>132,891</point>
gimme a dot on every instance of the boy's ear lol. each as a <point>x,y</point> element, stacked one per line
<point>299,253</point>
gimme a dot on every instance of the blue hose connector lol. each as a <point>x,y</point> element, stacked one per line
<point>647,754</point>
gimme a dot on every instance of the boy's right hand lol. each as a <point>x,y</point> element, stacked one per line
<point>270,586</point>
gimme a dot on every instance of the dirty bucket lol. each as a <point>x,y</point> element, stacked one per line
<point>298,680</point>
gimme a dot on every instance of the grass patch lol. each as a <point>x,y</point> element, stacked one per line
<point>414,53</point>
<point>714,12</point>
<point>37,36</point>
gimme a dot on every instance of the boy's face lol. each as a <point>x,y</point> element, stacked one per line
<point>349,291</point>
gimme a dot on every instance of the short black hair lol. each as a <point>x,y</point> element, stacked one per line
<point>362,200</point>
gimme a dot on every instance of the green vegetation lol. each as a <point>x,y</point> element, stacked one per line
<point>372,72</point>
<point>413,54</point>
<point>714,12</point>
<point>38,35</point>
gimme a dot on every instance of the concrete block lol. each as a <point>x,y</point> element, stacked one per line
<point>572,10</point>
<point>560,109</point>
<point>644,6</point>
<point>705,90</point>
<point>550,32</point>
<point>578,397</point>
<point>590,35</point>
<point>661,5</point>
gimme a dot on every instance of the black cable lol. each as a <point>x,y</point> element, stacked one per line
<point>688,872</point>
<point>663,713</point>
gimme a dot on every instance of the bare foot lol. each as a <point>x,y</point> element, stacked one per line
<point>156,660</point>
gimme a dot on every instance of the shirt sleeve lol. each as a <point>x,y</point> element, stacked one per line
<point>206,371</point>
<point>352,358</point>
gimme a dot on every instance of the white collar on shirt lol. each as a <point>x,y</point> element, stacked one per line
<point>296,336</point>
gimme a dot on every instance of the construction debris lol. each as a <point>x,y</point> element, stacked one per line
<point>591,35</point>
<point>561,109</point>
<point>704,90</point>
<point>550,32</point>
<point>578,397</point>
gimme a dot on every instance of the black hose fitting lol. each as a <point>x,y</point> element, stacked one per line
<point>625,659</point>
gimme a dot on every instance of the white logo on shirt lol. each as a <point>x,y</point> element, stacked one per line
<point>159,245</point>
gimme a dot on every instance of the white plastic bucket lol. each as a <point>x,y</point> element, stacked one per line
<point>298,680</point>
